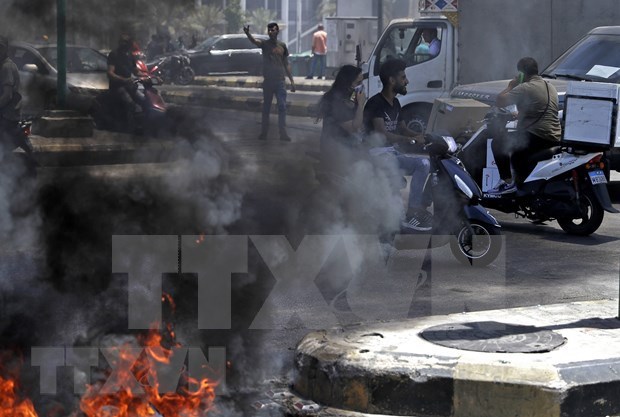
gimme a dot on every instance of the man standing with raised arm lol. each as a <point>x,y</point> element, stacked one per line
<point>275,68</point>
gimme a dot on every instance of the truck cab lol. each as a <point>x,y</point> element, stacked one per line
<point>594,58</point>
<point>430,75</point>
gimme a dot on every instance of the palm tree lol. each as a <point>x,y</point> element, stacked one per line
<point>326,8</point>
<point>259,18</point>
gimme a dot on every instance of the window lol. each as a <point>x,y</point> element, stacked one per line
<point>224,44</point>
<point>408,44</point>
<point>595,51</point>
<point>242,43</point>
<point>22,56</point>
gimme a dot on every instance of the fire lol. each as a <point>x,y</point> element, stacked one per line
<point>11,405</point>
<point>137,393</point>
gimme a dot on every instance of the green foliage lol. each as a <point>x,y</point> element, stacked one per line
<point>234,16</point>
<point>259,18</point>
<point>326,8</point>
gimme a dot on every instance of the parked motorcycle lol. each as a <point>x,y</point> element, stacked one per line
<point>108,113</point>
<point>18,153</point>
<point>567,184</point>
<point>174,68</point>
<point>473,234</point>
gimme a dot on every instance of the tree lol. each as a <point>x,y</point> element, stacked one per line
<point>259,18</point>
<point>234,16</point>
<point>326,8</point>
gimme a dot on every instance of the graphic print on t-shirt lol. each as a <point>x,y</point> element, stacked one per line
<point>390,125</point>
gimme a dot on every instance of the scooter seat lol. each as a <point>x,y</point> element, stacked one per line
<point>544,154</point>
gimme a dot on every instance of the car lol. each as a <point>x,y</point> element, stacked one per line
<point>37,65</point>
<point>232,53</point>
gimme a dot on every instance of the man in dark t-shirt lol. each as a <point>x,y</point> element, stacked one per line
<point>121,66</point>
<point>385,130</point>
<point>275,68</point>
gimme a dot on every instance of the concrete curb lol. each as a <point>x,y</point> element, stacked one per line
<point>240,99</point>
<point>389,369</point>
<point>301,83</point>
<point>103,148</point>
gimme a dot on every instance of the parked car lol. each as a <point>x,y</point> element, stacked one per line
<point>232,53</point>
<point>37,65</point>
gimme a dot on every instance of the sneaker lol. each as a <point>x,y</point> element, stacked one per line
<point>308,77</point>
<point>420,220</point>
<point>503,187</point>
<point>285,137</point>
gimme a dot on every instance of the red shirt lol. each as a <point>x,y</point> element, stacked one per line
<point>319,42</point>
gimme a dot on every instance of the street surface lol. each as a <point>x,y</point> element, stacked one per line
<point>236,185</point>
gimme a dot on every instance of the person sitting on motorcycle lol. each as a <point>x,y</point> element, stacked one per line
<point>538,126</point>
<point>383,126</point>
<point>11,135</point>
<point>121,66</point>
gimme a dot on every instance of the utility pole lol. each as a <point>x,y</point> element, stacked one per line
<point>285,8</point>
<point>299,26</point>
<point>379,18</point>
<point>61,51</point>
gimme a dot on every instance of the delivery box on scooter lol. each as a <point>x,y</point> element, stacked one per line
<point>591,119</point>
<point>456,115</point>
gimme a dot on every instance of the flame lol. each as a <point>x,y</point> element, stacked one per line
<point>11,405</point>
<point>193,398</point>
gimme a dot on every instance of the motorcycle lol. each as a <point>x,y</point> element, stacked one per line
<point>173,68</point>
<point>567,184</point>
<point>108,114</point>
<point>473,234</point>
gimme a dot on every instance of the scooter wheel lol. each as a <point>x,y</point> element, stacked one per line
<point>590,220</point>
<point>476,244</point>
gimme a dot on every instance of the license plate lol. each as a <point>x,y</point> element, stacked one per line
<point>597,177</point>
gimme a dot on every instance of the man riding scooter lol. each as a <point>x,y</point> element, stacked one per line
<point>538,126</point>
<point>121,66</point>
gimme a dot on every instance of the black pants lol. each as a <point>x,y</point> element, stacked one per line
<point>516,148</point>
<point>129,101</point>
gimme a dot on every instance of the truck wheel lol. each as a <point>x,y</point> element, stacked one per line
<point>416,118</point>
<point>591,218</point>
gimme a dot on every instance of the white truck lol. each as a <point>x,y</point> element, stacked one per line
<point>481,40</point>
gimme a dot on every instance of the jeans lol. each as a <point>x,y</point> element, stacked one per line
<point>319,60</point>
<point>271,88</point>
<point>418,167</point>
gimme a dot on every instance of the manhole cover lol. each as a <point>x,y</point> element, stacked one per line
<point>493,337</point>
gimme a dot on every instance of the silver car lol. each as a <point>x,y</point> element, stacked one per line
<point>86,76</point>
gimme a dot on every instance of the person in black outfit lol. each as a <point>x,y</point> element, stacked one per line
<point>121,66</point>
<point>275,67</point>
<point>154,47</point>
<point>11,135</point>
<point>342,111</point>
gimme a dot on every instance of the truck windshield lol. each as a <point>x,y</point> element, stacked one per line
<point>595,58</point>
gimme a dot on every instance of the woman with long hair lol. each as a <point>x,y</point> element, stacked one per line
<point>342,111</point>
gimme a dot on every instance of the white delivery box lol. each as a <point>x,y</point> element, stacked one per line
<point>490,177</point>
<point>591,118</point>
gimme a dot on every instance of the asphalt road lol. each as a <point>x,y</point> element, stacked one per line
<point>56,266</point>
